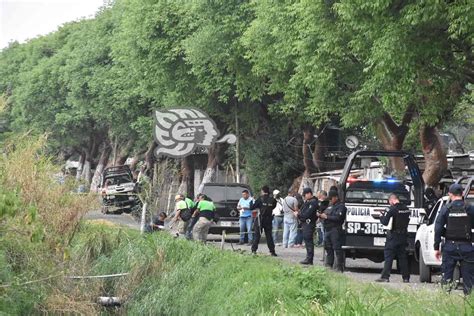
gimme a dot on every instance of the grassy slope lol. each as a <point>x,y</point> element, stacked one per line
<point>177,277</point>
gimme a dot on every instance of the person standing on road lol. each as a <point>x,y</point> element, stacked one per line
<point>308,216</point>
<point>396,243</point>
<point>459,220</point>
<point>277,218</point>
<point>334,217</point>
<point>299,230</point>
<point>246,219</point>
<point>290,220</point>
<point>206,210</point>
<point>323,205</point>
<point>265,203</point>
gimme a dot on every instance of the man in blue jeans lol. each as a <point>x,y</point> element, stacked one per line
<point>246,219</point>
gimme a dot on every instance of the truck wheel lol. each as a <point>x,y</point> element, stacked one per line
<point>425,271</point>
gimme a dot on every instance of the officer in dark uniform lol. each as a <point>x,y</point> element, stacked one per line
<point>396,242</point>
<point>308,216</point>
<point>459,220</point>
<point>265,203</point>
<point>334,217</point>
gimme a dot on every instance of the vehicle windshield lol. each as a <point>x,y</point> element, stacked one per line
<point>222,193</point>
<point>118,180</point>
<point>373,179</point>
<point>216,193</point>
<point>235,193</point>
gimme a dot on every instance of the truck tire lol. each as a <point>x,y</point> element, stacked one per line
<point>425,271</point>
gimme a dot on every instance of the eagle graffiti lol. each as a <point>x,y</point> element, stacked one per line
<point>179,131</point>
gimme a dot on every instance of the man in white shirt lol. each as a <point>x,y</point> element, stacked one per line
<point>278,219</point>
<point>290,222</point>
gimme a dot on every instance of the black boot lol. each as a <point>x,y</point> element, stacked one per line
<point>307,262</point>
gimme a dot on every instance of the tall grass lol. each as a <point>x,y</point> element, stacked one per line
<point>38,219</point>
<point>169,276</point>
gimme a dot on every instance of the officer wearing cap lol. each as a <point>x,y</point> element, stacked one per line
<point>396,242</point>
<point>334,217</point>
<point>308,216</point>
<point>455,220</point>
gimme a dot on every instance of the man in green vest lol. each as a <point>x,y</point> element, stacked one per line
<point>183,212</point>
<point>205,209</point>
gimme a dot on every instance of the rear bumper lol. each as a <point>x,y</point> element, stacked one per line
<point>121,200</point>
<point>230,225</point>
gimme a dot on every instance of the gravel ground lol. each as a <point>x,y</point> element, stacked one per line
<point>359,269</point>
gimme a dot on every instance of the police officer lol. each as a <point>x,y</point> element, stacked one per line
<point>265,203</point>
<point>334,217</point>
<point>308,216</point>
<point>396,242</point>
<point>459,220</point>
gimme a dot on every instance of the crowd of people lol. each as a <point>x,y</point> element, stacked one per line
<point>286,221</point>
<point>296,218</point>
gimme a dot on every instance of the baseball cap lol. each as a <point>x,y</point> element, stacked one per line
<point>455,189</point>
<point>307,190</point>
<point>276,192</point>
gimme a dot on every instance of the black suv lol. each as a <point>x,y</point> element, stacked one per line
<point>225,197</point>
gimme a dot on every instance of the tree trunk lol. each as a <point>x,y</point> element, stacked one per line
<point>133,166</point>
<point>187,174</point>
<point>213,158</point>
<point>436,162</point>
<point>319,153</point>
<point>104,158</point>
<point>392,135</point>
<point>87,169</point>
<point>80,166</point>
<point>308,138</point>
<point>150,158</point>
<point>309,166</point>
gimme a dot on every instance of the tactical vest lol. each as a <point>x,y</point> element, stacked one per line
<point>402,219</point>
<point>458,227</point>
<point>267,206</point>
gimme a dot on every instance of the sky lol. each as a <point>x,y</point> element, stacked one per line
<point>24,19</point>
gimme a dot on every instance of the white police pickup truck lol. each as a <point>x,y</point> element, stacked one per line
<point>424,239</point>
<point>366,182</point>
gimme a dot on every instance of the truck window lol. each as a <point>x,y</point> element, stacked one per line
<point>216,193</point>
<point>434,212</point>
<point>375,192</point>
<point>235,193</point>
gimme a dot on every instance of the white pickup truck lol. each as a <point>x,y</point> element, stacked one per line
<point>424,239</point>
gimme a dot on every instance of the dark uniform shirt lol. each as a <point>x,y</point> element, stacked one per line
<point>336,215</point>
<point>323,205</point>
<point>399,213</point>
<point>442,219</point>
<point>266,204</point>
<point>309,210</point>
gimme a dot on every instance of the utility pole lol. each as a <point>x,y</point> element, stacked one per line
<point>237,148</point>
